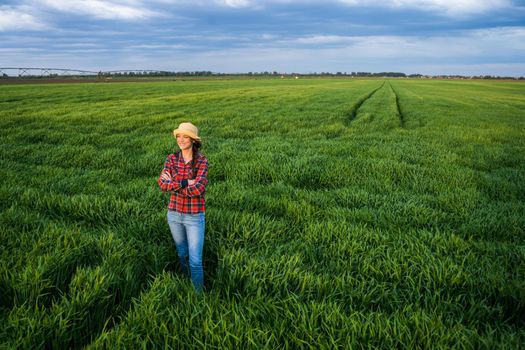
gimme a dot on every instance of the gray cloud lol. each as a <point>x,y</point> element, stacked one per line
<point>181,35</point>
<point>20,18</point>
<point>112,9</point>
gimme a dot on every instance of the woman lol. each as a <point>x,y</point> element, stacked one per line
<point>184,176</point>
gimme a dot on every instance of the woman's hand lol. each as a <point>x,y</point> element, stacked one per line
<point>166,176</point>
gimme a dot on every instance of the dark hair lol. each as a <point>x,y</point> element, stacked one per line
<point>195,151</point>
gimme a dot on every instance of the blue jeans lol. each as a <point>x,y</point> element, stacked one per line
<point>188,233</point>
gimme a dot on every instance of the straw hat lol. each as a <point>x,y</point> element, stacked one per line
<point>187,129</point>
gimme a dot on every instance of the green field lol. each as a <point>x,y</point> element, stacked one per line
<point>341,213</point>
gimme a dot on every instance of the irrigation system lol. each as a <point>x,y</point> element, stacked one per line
<point>47,72</point>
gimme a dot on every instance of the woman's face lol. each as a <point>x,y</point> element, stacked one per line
<point>184,142</point>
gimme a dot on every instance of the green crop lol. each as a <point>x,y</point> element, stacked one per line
<point>341,213</point>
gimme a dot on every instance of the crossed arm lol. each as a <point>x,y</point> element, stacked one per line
<point>187,187</point>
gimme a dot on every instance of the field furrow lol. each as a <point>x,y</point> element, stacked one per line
<point>352,113</point>
<point>380,111</point>
<point>398,111</point>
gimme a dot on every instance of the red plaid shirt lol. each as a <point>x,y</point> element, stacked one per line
<point>190,199</point>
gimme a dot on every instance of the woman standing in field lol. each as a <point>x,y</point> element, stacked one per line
<point>184,176</point>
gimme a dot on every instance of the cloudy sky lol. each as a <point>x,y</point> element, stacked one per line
<point>468,37</point>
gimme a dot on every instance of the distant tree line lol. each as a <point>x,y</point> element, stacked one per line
<point>265,74</point>
<point>157,74</point>
<point>314,74</point>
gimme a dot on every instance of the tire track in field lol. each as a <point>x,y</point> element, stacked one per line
<point>351,114</point>
<point>398,112</point>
